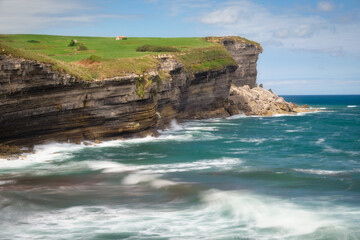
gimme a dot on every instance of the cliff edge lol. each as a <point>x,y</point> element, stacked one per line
<point>40,103</point>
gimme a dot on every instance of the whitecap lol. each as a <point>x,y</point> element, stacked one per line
<point>238,116</point>
<point>320,172</point>
<point>252,140</point>
<point>234,213</point>
<point>201,129</point>
<point>43,154</point>
<point>109,167</point>
<point>293,130</point>
<point>320,141</point>
<point>153,179</point>
<point>6,182</point>
<point>263,212</point>
<point>351,106</point>
<point>331,149</point>
<point>223,163</point>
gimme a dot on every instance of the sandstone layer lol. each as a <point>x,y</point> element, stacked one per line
<point>38,104</point>
<point>246,55</point>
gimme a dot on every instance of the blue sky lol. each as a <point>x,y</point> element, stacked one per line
<point>310,47</point>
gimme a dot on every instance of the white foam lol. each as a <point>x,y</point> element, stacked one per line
<point>174,126</point>
<point>153,179</point>
<point>43,154</point>
<point>320,141</point>
<point>331,149</point>
<point>219,215</point>
<point>320,172</point>
<point>293,130</point>
<point>238,116</point>
<point>223,163</point>
<point>351,106</point>
<point>264,212</point>
<point>252,140</point>
<point>6,182</point>
<point>109,167</point>
<point>201,129</point>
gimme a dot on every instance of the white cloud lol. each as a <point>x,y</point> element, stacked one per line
<point>304,32</point>
<point>300,31</point>
<point>24,16</point>
<point>226,15</point>
<point>325,6</point>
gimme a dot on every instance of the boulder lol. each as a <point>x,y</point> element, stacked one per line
<point>258,101</point>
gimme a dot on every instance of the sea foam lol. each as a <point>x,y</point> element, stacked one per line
<point>218,215</point>
<point>223,163</point>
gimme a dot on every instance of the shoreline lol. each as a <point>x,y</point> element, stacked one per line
<point>10,153</point>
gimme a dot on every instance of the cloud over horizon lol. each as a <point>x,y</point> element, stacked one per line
<point>309,32</point>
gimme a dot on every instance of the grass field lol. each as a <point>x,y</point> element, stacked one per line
<point>107,48</point>
<point>115,58</point>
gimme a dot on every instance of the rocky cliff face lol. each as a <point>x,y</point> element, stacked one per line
<point>38,104</point>
<point>246,55</point>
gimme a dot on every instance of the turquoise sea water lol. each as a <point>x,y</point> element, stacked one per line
<point>282,177</point>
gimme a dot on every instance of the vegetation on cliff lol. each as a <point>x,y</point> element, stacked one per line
<point>235,38</point>
<point>214,58</point>
<point>115,58</point>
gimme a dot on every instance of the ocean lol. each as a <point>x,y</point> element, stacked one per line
<point>281,177</point>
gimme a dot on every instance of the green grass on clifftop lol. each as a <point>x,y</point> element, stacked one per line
<point>214,58</point>
<point>106,47</point>
<point>113,57</point>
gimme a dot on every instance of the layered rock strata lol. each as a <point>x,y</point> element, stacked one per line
<point>38,104</point>
<point>246,55</point>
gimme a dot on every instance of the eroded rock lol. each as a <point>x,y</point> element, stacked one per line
<point>258,101</point>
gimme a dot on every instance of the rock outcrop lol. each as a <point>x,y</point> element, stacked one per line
<point>258,101</point>
<point>246,55</point>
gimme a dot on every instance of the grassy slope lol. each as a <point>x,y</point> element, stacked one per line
<point>117,57</point>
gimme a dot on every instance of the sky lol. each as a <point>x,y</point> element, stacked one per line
<point>310,46</point>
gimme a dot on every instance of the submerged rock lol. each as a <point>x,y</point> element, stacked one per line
<point>258,101</point>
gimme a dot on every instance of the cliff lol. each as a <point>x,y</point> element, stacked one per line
<point>39,104</point>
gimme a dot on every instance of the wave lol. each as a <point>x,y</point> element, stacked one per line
<point>294,130</point>
<point>57,152</point>
<point>6,182</point>
<point>109,167</point>
<point>352,106</point>
<point>223,163</point>
<point>331,149</point>
<point>321,172</point>
<point>218,215</point>
<point>257,141</point>
<point>153,179</point>
<point>320,141</point>
<point>43,154</point>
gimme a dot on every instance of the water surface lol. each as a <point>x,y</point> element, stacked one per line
<point>282,177</point>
